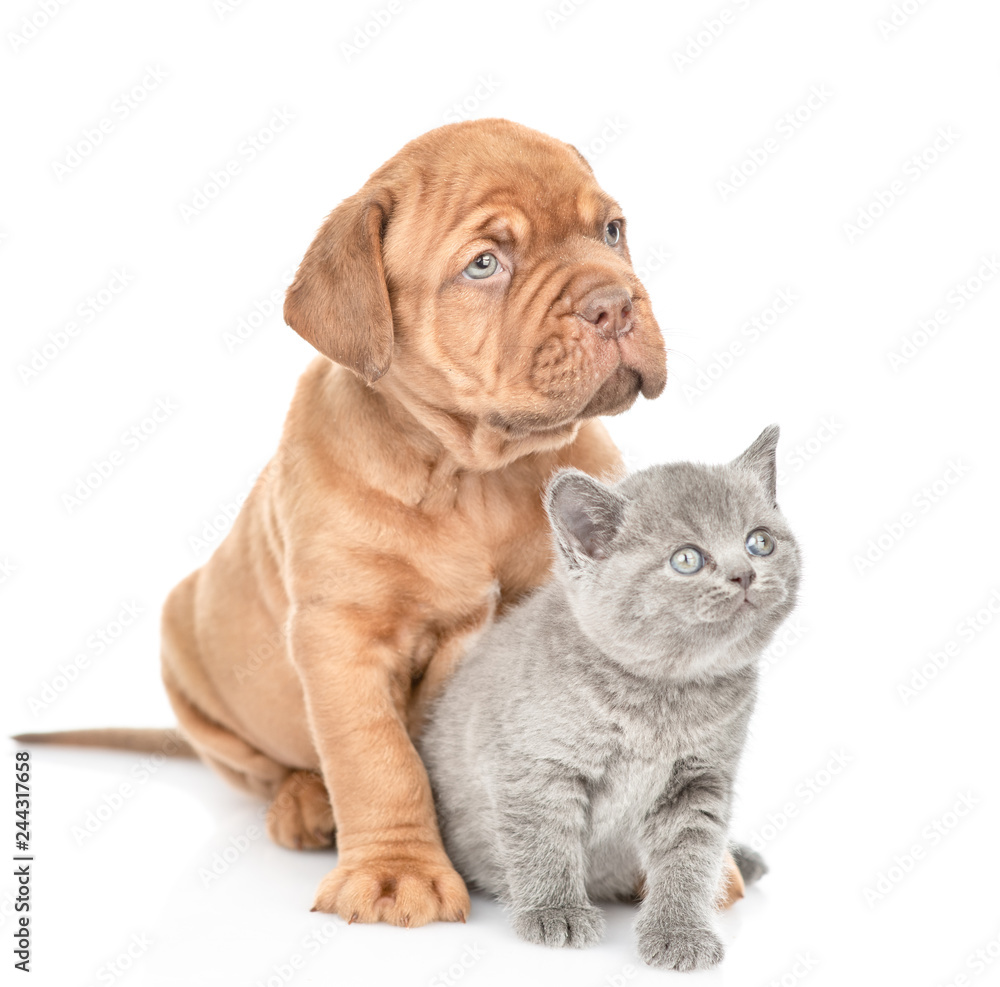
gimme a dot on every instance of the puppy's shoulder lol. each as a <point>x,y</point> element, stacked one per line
<point>593,452</point>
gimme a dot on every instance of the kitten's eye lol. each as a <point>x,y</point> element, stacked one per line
<point>483,266</point>
<point>687,561</point>
<point>612,233</point>
<point>760,542</point>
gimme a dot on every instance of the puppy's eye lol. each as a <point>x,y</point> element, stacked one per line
<point>687,561</point>
<point>612,233</point>
<point>483,266</point>
<point>760,542</point>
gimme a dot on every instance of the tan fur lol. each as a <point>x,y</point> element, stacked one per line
<point>168,742</point>
<point>300,816</point>
<point>404,503</point>
<point>733,887</point>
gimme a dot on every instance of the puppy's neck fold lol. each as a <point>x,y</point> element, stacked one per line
<point>433,452</point>
<point>466,443</point>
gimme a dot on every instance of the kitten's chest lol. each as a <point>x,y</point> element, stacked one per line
<point>619,803</point>
<point>627,790</point>
<point>647,737</point>
<point>640,750</point>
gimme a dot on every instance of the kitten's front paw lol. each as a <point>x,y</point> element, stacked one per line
<point>576,926</point>
<point>681,948</point>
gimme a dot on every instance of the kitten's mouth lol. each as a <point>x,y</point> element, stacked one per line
<point>730,612</point>
<point>744,608</point>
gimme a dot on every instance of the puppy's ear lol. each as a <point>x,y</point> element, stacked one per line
<point>339,301</point>
<point>585,516</point>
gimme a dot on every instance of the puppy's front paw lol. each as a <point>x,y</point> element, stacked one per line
<point>679,948</point>
<point>399,890</point>
<point>574,926</point>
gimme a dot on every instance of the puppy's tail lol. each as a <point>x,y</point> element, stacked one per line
<point>750,863</point>
<point>168,742</point>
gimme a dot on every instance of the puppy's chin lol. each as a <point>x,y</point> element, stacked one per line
<point>616,394</point>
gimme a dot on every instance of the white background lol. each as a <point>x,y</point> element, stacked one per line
<point>661,135</point>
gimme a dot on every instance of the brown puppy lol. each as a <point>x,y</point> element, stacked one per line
<point>476,308</point>
<point>479,299</point>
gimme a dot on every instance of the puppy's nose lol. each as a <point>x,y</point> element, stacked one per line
<point>744,578</point>
<point>609,310</point>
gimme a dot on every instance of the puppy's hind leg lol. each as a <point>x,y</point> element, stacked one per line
<point>300,816</point>
<point>239,762</point>
<point>202,715</point>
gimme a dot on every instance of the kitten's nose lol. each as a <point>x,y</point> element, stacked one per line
<point>743,578</point>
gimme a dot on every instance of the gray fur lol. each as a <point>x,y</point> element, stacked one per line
<point>591,737</point>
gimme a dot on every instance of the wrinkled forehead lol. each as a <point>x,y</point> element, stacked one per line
<point>552,215</point>
<point>510,191</point>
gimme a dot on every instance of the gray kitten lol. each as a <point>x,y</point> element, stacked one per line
<point>590,738</point>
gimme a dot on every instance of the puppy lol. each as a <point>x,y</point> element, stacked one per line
<point>475,309</point>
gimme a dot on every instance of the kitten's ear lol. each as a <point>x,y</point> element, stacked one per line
<point>761,458</point>
<point>585,516</point>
